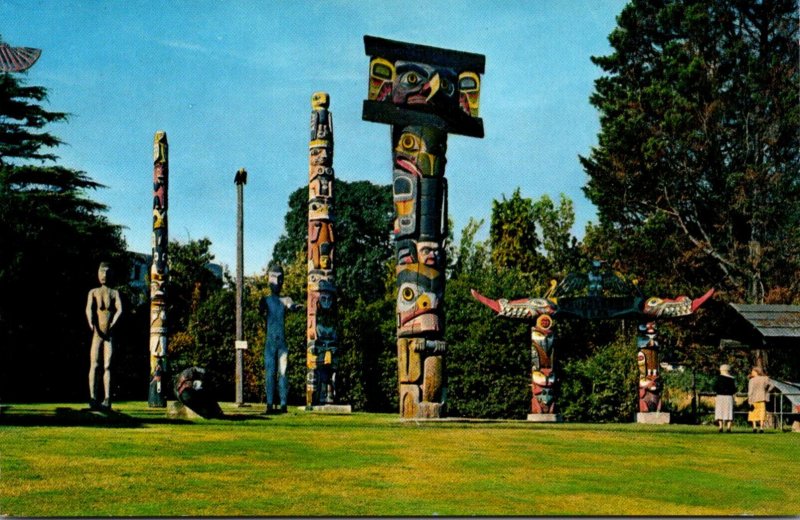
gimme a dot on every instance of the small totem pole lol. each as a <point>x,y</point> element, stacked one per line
<point>424,93</point>
<point>158,275</point>
<point>597,294</point>
<point>540,311</point>
<point>321,359</point>
<point>647,359</point>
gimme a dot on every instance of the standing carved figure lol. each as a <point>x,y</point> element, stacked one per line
<point>425,93</point>
<point>276,353</point>
<point>103,309</point>
<point>321,338</point>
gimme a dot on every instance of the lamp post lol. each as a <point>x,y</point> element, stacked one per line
<point>240,180</point>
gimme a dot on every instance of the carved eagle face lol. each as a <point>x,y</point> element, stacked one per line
<point>423,84</point>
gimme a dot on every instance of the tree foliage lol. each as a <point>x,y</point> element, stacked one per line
<point>697,163</point>
<point>363,225</point>
<point>512,233</point>
<point>52,238</point>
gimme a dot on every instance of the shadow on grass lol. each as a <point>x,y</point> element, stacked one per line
<point>66,416</point>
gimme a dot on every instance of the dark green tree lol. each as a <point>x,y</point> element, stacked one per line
<point>190,280</point>
<point>201,316</point>
<point>52,238</point>
<point>696,173</point>
<point>363,213</point>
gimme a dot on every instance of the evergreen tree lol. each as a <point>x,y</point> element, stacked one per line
<point>696,173</point>
<point>52,239</point>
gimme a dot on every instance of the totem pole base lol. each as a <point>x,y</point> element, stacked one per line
<point>177,410</point>
<point>328,408</point>
<point>545,417</point>
<point>652,418</point>
<point>428,410</point>
<point>156,398</point>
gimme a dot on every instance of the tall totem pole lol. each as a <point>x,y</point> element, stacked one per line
<point>158,275</point>
<point>321,310</point>
<point>424,93</point>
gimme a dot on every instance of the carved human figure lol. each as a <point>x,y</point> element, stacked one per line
<point>103,309</point>
<point>276,353</point>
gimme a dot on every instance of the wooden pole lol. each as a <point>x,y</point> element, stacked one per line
<point>240,180</point>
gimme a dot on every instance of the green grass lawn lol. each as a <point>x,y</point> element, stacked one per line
<point>57,460</point>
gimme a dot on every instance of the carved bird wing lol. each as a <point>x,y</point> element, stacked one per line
<point>526,308</point>
<point>17,59</point>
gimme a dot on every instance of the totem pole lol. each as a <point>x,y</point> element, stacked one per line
<point>321,359</point>
<point>424,93</point>
<point>540,311</point>
<point>647,360</point>
<point>158,275</point>
<point>595,295</point>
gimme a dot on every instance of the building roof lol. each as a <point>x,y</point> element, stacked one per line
<point>772,321</point>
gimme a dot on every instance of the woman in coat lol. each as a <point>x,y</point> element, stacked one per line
<point>724,387</point>
<point>757,394</point>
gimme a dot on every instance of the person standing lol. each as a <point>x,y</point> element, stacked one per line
<point>758,389</point>
<point>103,309</point>
<point>725,388</point>
<point>276,353</point>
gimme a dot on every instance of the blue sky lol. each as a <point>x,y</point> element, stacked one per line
<point>230,83</point>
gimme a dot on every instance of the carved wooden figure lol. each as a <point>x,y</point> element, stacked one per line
<point>418,90</point>
<point>321,315</point>
<point>158,274</point>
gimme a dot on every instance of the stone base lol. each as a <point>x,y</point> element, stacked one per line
<point>652,418</point>
<point>176,409</point>
<point>429,410</point>
<point>796,426</point>
<point>329,408</point>
<point>544,417</point>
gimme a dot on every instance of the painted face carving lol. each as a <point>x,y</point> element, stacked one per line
<point>423,84</point>
<point>325,300</point>
<point>381,77</point>
<point>419,295</point>
<point>319,155</point>
<point>320,100</point>
<point>319,209</point>
<point>469,92</point>
<point>412,155</point>
<point>405,189</point>
<point>428,253</point>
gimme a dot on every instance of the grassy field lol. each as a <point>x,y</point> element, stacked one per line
<point>57,460</point>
